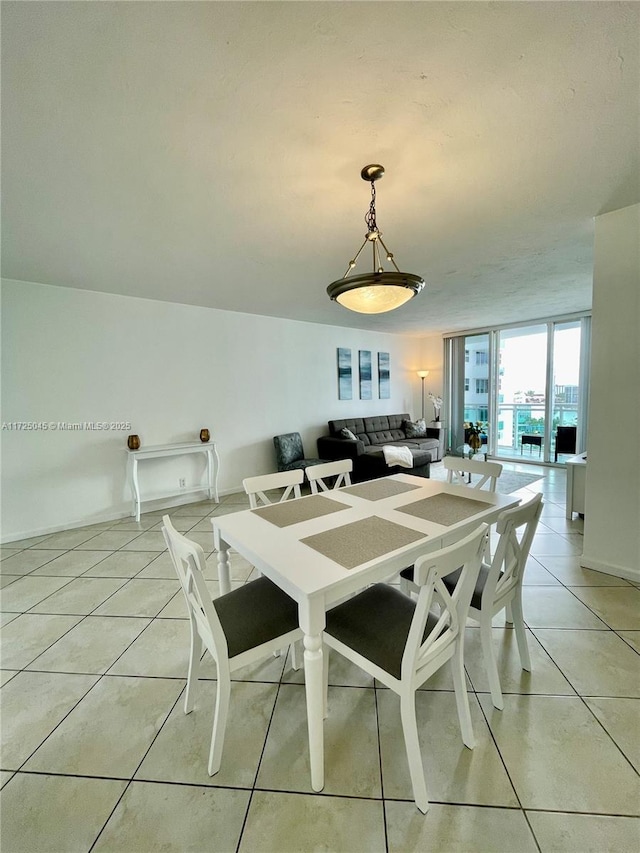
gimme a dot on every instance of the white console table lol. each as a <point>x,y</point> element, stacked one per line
<point>576,479</point>
<point>160,451</point>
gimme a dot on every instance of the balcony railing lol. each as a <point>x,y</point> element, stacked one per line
<point>517,419</point>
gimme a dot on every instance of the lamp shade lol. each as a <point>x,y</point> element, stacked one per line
<point>422,373</point>
<point>375,293</point>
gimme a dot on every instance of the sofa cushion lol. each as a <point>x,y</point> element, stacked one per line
<point>420,457</point>
<point>396,421</point>
<point>386,436</point>
<point>356,425</point>
<point>415,429</point>
<point>378,423</point>
<point>374,465</point>
<point>404,442</point>
<point>423,443</point>
<point>345,432</point>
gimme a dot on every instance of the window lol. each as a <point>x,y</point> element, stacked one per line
<point>526,380</point>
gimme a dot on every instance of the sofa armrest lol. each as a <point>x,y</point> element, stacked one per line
<point>331,447</point>
<point>439,434</point>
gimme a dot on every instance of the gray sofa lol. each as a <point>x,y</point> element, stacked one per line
<point>366,449</point>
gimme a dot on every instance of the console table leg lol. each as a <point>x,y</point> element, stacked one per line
<point>135,487</point>
<point>209,474</point>
<point>216,466</point>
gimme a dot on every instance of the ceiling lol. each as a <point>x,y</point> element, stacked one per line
<point>209,153</point>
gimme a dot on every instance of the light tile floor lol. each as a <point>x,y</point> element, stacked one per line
<point>97,753</point>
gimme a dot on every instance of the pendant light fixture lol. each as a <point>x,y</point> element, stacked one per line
<point>377,291</point>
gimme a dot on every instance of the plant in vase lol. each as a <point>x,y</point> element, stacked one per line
<point>437,405</point>
<point>473,433</point>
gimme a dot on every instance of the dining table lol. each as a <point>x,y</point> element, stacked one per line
<point>322,548</point>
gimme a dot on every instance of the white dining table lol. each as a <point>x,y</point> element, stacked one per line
<point>321,548</point>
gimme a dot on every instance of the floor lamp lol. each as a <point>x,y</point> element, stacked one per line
<point>422,374</point>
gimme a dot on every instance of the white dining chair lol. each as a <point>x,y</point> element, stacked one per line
<point>398,641</point>
<point>499,586</point>
<point>457,468</point>
<point>236,629</point>
<point>340,469</point>
<point>256,487</point>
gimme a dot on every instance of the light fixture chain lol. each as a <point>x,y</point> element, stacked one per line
<point>370,217</point>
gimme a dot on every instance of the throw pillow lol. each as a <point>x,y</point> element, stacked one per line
<point>346,433</point>
<point>415,429</point>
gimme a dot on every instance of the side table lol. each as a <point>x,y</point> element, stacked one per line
<point>159,451</point>
<point>532,441</point>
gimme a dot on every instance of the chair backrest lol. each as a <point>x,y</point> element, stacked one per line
<point>256,487</point>
<point>289,449</point>
<point>421,651</point>
<point>189,562</point>
<point>516,529</point>
<point>566,437</point>
<point>458,466</point>
<point>340,469</point>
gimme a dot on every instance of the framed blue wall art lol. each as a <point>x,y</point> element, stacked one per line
<point>384,376</point>
<point>364,362</point>
<point>345,384</point>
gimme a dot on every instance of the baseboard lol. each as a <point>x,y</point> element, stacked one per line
<point>625,572</point>
<point>104,517</point>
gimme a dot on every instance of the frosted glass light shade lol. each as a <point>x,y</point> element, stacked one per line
<point>375,293</point>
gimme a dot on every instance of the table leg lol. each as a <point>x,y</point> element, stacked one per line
<point>313,676</point>
<point>224,578</point>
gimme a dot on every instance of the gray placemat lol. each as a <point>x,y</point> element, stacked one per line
<point>295,511</point>
<point>444,509</point>
<point>376,490</point>
<point>361,541</point>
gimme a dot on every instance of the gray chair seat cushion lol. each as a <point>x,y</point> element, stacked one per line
<point>376,624</point>
<point>302,463</point>
<point>451,580</point>
<point>254,614</point>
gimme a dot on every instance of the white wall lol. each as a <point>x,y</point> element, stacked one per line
<point>432,359</point>
<point>612,498</point>
<point>74,356</point>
